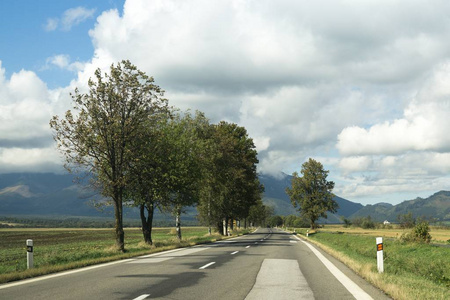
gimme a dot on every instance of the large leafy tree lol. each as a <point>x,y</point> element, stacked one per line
<point>147,186</point>
<point>100,135</point>
<point>233,183</point>
<point>183,144</point>
<point>312,192</point>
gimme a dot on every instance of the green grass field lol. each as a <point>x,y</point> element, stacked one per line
<point>61,249</point>
<point>412,270</point>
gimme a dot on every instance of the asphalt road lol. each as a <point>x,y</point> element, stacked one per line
<point>268,264</point>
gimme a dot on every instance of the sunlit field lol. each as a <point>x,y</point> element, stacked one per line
<point>61,249</point>
<point>438,234</point>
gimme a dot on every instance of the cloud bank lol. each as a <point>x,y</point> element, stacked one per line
<point>359,84</point>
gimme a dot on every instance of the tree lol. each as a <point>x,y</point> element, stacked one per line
<point>148,184</point>
<point>259,214</point>
<point>183,147</point>
<point>406,220</point>
<point>233,183</point>
<point>99,137</point>
<point>312,192</point>
<point>275,221</point>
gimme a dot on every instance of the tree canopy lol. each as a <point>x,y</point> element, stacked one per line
<point>100,134</point>
<point>312,193</point>
<point>139,151</point>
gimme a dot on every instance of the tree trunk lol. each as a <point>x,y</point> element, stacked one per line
<point>118,214</point>
<point>225,226</point>
<point>209,214</point>
<point>147,222</point>
<point>178,222</point>
<point>231,224</point>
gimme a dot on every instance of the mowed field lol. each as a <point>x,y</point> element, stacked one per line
<point>411,270</point>
<point>439,235</point>
<point>60,249</point>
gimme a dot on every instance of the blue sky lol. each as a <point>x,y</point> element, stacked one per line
<point>361,86</point>
<point>27,43</point>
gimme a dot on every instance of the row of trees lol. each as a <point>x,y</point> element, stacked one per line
<point>137,150</point>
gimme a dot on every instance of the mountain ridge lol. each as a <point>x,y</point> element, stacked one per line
<point>57,194</point>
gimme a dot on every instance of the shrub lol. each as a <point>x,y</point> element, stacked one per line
<point>419,234</point>
<point>347,222</point>
<point>365,222</point>
<point>422,231</point>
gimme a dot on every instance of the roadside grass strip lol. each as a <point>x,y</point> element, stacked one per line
<point>411,270</point>
<point>57,250</point>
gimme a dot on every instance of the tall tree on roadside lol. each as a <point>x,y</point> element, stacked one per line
<point>147,187</point>
<point>234,185</point>
<point>100,135</point>
<point>312,192</point>
<point>183,142</point>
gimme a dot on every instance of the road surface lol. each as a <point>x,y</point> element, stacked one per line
<point>267,264</point>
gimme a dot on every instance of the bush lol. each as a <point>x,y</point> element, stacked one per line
<point>419,234</point>
<point>365,222</point>
<point>422,231</point>
<point>347,222</point>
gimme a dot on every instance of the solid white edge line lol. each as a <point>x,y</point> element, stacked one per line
<point>352,287</point>
<point>142,297</point>
<point>207,265</point>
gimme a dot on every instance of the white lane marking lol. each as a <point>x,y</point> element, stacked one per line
<point>62,274</point>
<point>142,297</point>
<point>247,247</point>
<point>280,279</point>
<point>262,240</point>
<point>207,265</point>
<point>352,287</point>
<point>150,260</point>
<point>294,242</point>
<point>256,243</point>
<point>234,252</point>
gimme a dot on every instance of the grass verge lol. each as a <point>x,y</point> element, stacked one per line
<point>57,250</point>
<point>412,271</point>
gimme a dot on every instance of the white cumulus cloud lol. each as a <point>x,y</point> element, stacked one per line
<point>360,84</point>
<point>71,17</point>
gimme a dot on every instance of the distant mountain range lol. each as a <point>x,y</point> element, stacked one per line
<point>436,207</point>
<point>52,194</point>
<point>275,195</point>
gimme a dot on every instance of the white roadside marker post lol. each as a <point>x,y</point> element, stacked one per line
<point>380,263</point>
<point>29,254</point>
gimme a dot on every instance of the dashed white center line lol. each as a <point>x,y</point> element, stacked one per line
<point>234,252</point>
<point>142,297</point>
<point>247,247</point>
<point>207,265</point>
<point>256,243</point>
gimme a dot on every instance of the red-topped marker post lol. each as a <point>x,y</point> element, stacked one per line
<point>30,254</point>
<point>380,264</point>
